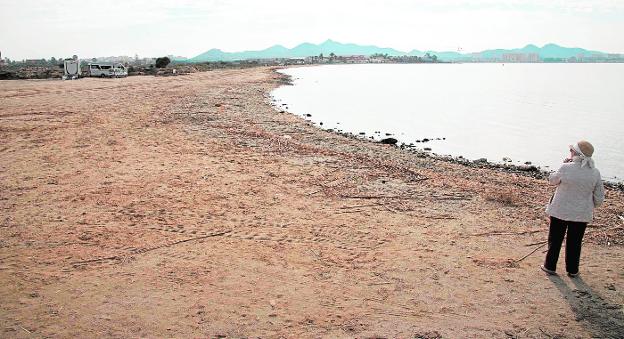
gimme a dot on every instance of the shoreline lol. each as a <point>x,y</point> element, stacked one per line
<point>529,170</point>
<point>193,199</point>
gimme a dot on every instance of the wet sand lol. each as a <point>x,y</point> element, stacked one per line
<point>189,207</point>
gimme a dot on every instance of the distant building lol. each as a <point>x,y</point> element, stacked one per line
<point>116,59</point>
<point>521,57</point>
<point>147,61</point>
<point>176,57</point>
<point>378,60</point>
<point>533,57</point>
<point>34,61</point>
<point>354,59</point>
<point>295,61</point>
<point>512,57</point>
<point>265,61</point>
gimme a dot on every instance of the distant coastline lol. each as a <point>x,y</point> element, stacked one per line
<point>530,53</point>
<point>328,52</point>
<point>49,69</point>
<point>331,51</point>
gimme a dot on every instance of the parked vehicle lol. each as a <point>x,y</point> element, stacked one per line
<point>71,69</point>
<point>107,70</point>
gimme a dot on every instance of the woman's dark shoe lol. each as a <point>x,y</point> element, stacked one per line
<point>573,275</point>
<point>550,272</point>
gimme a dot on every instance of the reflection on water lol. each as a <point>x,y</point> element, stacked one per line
<point>525,112</point>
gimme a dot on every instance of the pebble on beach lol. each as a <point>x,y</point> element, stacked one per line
<point>389,141</point>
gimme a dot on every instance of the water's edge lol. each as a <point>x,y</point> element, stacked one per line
<point>525,170</point>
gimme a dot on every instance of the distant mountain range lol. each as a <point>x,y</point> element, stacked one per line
<point>307,49</point>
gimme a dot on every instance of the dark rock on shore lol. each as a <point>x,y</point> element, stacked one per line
<point>307,115</point>
<point>528,168</point>
<point>615,185</point>
<point>389,141</point>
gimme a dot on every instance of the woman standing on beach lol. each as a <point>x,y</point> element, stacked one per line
<point>579,191</point>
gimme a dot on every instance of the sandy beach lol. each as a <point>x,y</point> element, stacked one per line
<point>188,206</point>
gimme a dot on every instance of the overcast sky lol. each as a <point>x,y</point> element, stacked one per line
<point>60,28</point>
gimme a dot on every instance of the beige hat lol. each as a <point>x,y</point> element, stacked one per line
<point>585,147</point>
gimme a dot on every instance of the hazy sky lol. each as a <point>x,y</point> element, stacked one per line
<point>60,28</point>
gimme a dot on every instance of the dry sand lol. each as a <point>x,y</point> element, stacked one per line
<point>188,207</point>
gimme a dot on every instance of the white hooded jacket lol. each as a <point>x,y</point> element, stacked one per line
<point>579,191</point>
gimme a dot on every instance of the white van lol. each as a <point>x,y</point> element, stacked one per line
<point>104,70</point>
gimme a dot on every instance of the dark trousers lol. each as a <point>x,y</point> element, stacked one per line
<point>557,231</point>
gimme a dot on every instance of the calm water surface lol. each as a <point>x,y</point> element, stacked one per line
<point>526,112</point>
